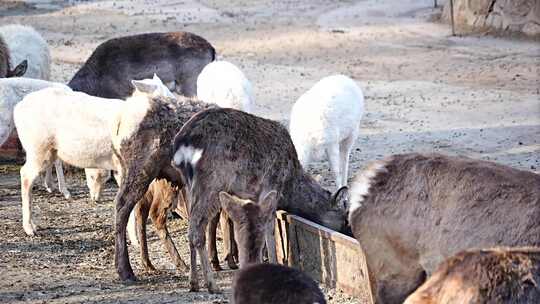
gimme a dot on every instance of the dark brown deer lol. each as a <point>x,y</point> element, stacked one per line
<point>176,57</point>
<point>412,211</point>
<point>145,155</point>
<point>275,284</point>
<point>501,275</point>
<point>232,151</point>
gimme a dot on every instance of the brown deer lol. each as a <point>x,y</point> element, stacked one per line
<point>501,275</point>
<point>232,151</point>
<point>176,57</point>
<point>412,211</point>
<point>275,284</point>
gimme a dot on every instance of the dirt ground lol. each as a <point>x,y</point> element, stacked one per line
<point>425,91</point>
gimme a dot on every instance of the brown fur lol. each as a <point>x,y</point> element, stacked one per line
<point>503,275</point>
<point>146,155</point>
<point>421,209</point>
<point>250,221</point>
<point>176,57</point>
<point>248,156</point>
<point>161,197</point>
<point>275,284</point>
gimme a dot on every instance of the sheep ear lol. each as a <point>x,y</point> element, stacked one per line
<point>339,199</point>
<point>231,205</point>
<point>143,86</point>
<point>156,78</point>
<point>19,70</point>
<point>269,204</point>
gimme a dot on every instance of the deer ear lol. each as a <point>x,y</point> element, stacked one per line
<point>340,198</point>
<point>231,205</point>
<point>143,86</point>
<point>268,204</point>
<point>19,70</point>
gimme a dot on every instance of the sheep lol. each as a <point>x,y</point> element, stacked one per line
<point>224,84</point>
<point>78,129</point>
<point>326,119</point>
<point>176,57</point>
<point>28,52</point>
<point>233,151</point>
<point>499,275</point>
<point>275,284</point>
<point>412,211</point>
<point>12,91</point>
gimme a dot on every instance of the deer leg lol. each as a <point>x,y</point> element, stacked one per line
<point>228,239</point>
<point>270,242</point>
<point>212,250</point>
<point>202,209</point>
<point>142,211</point>
<point>132,189</point>
<point>160,223</point>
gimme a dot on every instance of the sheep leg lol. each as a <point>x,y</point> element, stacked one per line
<point>29,172</point>
<point>344,152</point>
<point>61,180</point>
<point>212,250</point>
<point>141,212</point>
<point>160,222</point>
<point>228,239</point>
<point>47,181</point>
<point>333,157</point>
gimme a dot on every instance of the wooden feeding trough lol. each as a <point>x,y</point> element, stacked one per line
<point>332,258</point>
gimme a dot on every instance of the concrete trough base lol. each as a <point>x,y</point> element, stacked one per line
<point>332,258</point>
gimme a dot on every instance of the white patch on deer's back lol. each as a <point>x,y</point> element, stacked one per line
<point>362,183</point>
<point>187,154</point>
<point>130,117</point>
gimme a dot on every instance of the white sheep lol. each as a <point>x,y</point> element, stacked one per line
<point>24,43</point>
<point>12,91</point>
<point>326,119</point>
<point>78,129</point>
<point>224,84</point>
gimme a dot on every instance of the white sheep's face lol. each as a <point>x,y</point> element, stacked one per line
<point>153,87</point>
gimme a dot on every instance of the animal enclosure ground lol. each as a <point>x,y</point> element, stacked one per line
<point>425,91</point>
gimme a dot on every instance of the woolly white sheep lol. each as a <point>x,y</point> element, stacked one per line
<point>78,129</point>
<point>224,84</point>
<point>326,119</point>
<point>24,43</point>
<point>12,91</point>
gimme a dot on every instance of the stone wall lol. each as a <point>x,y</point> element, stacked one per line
<point>517,16</point>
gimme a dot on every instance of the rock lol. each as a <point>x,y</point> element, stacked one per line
<point>521,16</point>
